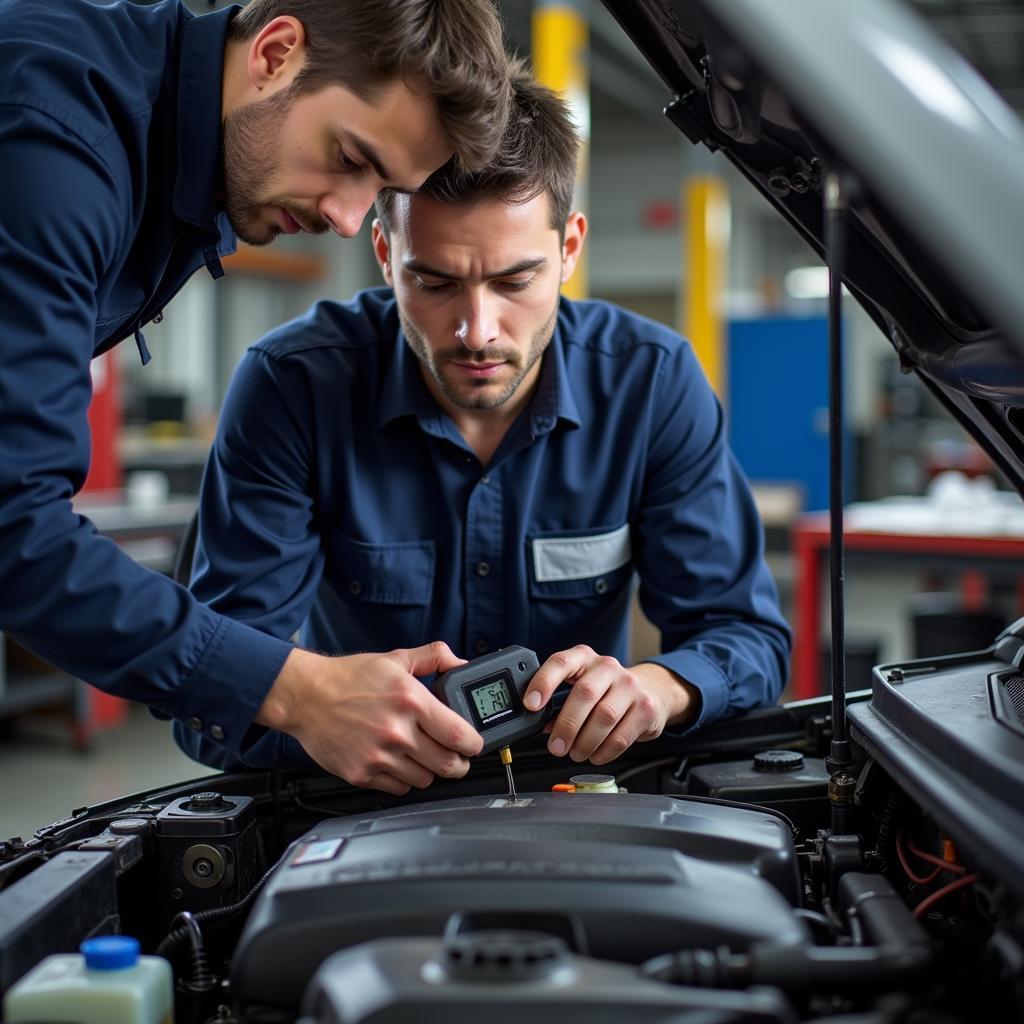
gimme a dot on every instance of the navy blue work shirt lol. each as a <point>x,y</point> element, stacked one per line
<point>341,501</point>
<point>110,126</point>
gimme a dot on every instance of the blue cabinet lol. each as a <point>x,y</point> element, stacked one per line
<point>777,403</point>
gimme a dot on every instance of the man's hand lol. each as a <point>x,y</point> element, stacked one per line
<point>367,718</point>
<point>610,707</point>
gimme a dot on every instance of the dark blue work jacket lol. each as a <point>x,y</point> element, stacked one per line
<point>341,501</point>
<point>110,122</point>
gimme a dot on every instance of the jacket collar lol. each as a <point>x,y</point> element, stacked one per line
<point>200,85</point>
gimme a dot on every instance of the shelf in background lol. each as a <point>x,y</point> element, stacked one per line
<point>280,264</point>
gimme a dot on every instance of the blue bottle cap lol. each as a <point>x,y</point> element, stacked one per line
<point>110,952</point>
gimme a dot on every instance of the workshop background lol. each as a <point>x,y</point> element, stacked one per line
<point>936,541</point>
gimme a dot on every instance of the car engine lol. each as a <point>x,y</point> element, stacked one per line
<point>703,879</point>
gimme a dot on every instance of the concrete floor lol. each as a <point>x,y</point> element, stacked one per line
<point>42,778</point>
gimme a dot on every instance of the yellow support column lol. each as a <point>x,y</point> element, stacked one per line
<point>560,43</point>
<point>706,237</point>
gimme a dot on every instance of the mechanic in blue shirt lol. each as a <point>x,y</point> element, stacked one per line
<point>470,460</point>
<point>136,143</point>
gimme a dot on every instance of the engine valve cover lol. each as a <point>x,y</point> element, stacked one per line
<point>628,877</point>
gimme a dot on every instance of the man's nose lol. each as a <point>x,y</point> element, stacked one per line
<point>344,211</point>
<point>478,324</point>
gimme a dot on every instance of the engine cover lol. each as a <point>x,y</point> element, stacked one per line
<point>625,876</point>
<point>394,981</point>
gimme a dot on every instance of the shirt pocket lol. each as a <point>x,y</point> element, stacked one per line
<point>382,591</point>
<point>579,563</point>
<point>579,587</point>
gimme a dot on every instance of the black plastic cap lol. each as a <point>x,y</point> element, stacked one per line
<point>778,761</point>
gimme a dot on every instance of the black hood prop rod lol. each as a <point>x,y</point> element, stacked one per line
<point>837,190</point>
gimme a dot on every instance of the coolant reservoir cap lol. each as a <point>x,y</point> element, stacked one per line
<point>594,783</point>
<point>207,802</point>
<point>110,952</point>
<point>778,761</point>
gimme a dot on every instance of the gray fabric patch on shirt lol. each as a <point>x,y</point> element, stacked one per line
<point>577,558</point>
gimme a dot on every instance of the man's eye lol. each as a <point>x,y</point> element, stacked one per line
<point>347,162</point>
<point>516,286</point>
<point>433,289</point>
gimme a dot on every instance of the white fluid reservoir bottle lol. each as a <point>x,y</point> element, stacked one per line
<point>107,983</point>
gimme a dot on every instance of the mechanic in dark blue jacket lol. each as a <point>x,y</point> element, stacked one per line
<point>136,142</point>
<point>469,459</point>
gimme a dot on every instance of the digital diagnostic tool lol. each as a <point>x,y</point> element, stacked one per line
<point>488,693</point>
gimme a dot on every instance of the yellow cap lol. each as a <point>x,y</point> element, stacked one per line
<point>506,755</point>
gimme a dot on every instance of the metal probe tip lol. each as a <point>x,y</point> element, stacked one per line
<point>506,759</point>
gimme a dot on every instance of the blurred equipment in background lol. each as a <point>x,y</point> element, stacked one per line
<point>943,624</point>
<point>104,425</point>
<point>862,654</point>
<point>163,412</point>
<point>912,440</point>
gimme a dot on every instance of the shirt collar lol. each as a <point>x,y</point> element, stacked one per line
<point>405,394</point>
<point>200,85</point>
<point>554,400</point>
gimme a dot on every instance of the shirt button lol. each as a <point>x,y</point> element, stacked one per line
<point>482,647</point>
<point>195,723</point>
<point>483,568</point>
<point>217,732</point>
<point>600,586</point>
<point>485,479</point>
<point>355,587</point>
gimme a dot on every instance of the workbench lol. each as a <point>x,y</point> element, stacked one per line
<point>981,546</point>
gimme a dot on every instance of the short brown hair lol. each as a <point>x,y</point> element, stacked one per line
<point>538,153</point>
<point>455,47</point>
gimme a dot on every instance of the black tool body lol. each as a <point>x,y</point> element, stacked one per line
<point>488,693</point>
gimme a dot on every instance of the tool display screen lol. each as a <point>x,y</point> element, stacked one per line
<point>493,699</point>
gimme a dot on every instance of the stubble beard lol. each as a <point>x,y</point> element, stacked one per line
<point>250,160</point>
<point>471,394</point>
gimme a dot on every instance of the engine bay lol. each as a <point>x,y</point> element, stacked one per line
<point>705,882</point>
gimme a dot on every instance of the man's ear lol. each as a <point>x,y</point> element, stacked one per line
<point>382,250</point>
<point>277,54</point>
<point>572,243</point>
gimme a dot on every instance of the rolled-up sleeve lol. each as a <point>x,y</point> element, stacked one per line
<point>67,593</point>
<point>699,550</point>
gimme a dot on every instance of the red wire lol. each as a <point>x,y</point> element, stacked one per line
<point>931,858</point>
<point>926,904</point>
<point>917,879</point>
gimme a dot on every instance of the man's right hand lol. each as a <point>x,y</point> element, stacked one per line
<point>367,718</point>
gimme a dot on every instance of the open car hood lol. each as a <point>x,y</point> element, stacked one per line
<point>936,237</point>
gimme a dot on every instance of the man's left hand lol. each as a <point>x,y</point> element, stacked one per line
<point>610,707</point>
